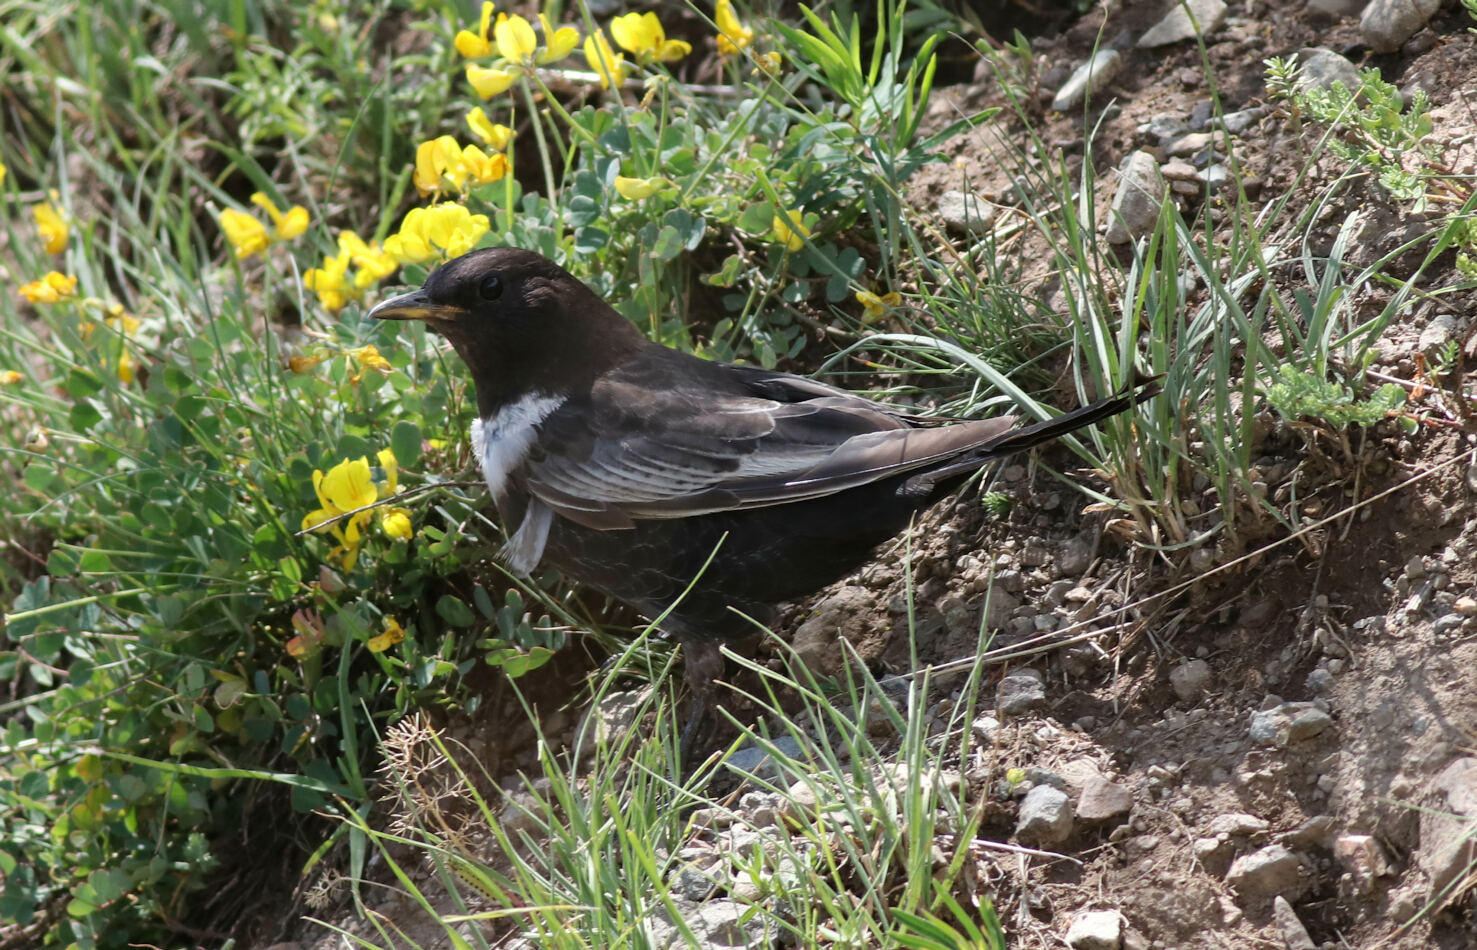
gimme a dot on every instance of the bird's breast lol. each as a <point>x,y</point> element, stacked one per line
<point>502,440</point>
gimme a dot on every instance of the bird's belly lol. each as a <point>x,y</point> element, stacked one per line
<point>759,557</point>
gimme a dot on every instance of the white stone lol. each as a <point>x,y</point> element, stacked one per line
<point>1096,930</point>
<point>1181,21</point>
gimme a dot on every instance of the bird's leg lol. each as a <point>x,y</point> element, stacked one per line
<point>703,665</point>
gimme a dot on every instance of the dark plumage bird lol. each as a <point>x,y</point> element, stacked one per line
<point>628,465</point>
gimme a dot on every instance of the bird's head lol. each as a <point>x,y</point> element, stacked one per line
<point>521,323</point>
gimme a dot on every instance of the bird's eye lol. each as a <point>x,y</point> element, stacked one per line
<point>491,287</point>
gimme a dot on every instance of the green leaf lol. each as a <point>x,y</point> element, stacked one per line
<point>94,562</point>
<point>84,416</point>
<point>405,442</point>
<point>454,611</point>
<point>82,383</point>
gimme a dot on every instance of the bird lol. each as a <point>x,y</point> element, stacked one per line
<point>701,493</point>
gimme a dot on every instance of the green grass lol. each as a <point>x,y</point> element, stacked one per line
<point>179,639</point>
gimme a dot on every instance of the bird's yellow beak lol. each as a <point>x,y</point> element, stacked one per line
<point>415,305</point>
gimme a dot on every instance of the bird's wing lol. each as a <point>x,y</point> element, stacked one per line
<point>716,440</point>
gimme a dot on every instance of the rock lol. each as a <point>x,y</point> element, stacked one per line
<point>1386,24</point>
<point>1192,143</point>
<point>714,924</point>
<point>1316,832</point>
<point>612,716</point>
<point>1181,23</point>
<point>984,729</point>
<point>1188,680</point>
<point>1443,327</point>
<point>965,214</point>
<point>1238,122</point>
<point>1136,205</point>
<point>1096,930</point>
<point>1236,825</point>
<point>816,640</point>
<point>1447,847</point>
<point>1090,77</point>
<point>1336,9</point>
<point>755,761</point>
<point>1102,800</point>
<point>694,881</point>
<point>1001,605</point>
<point>1074,557</point>
<point>1362,859</point>
<point>1045,816</point>
<point>1272,870</point>
<point>1321,68</point>
<point>1288,722</point>
<point>1164,128</point>
<point>1019,692</point>
<point>1294,934</point>
<point>1176,170</point>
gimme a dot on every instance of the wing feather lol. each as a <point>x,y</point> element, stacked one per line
<point>724,437</point>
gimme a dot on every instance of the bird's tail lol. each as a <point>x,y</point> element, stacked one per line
<point>1019,440</point>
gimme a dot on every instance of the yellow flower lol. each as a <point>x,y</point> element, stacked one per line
<point>301,364</point>
<point>368,357</point>
<point>874,308</point>
<point>120,319</point>
<point>126,364</point>
<point>732,35</point>
<point>634,189</point>
<point>445,230</point>
<point>330,283</point>
<point>391,465</point>
<point>52,288</point>
<point>288,225</point>
<point>476,45</point>
<point>431,161</point>
<point>642,34</point>
<point>373,263</point>
<point>492,134</point>
<point>345,488</point>
<point>52,226</point>
<point>558,43</point>
<point>393,633</point>
<point>249,236</point>
<point>481,168</point>
<point>491,82</point>
<point>768,63</point>
<point>2,173</point>
<point>246,234</point>
<point>790,229</point>
<point>9,377</point>
<point>396,523</point>
<point>515,39</point>
<point>609,65</point>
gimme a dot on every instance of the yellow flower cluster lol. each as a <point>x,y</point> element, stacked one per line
<point>733,36</point>
<point>517,48</point>
<point>641,35</point>
<point>875,307</point>
<point>438,232</point>
<point>52,288</point>
<point>346,493</point>
<point>248,235</point>
<point>442,166</point>
<point>332,282</point>
<point>790,230</point>
<point>52,227</point>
